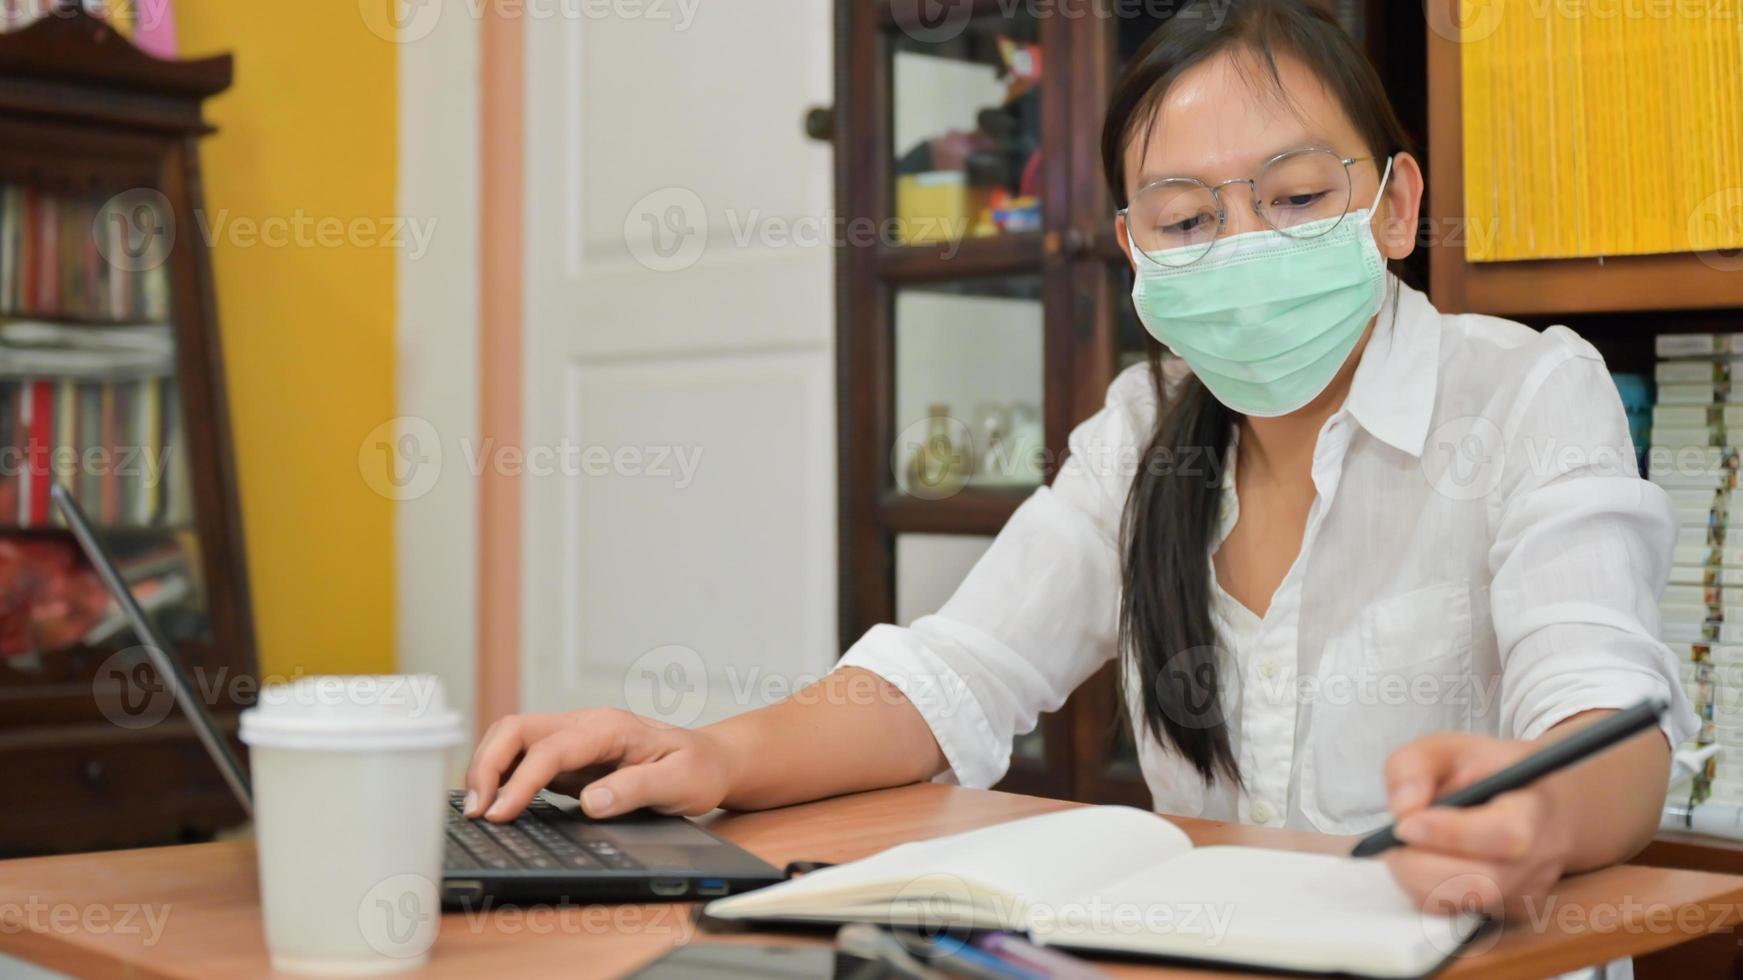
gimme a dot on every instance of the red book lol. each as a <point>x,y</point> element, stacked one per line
<point>37,451</point>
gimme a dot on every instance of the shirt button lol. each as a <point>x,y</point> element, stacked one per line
<point>1261,812</point>
<point>1268,667</point>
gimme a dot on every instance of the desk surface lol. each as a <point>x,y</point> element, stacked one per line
<point>90,914</point>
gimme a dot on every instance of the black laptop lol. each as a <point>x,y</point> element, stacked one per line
<point>551,853</point>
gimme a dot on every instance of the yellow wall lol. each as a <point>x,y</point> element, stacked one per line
<point>309,132</point>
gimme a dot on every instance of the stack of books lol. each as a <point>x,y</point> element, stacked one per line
<point>1697,429</point>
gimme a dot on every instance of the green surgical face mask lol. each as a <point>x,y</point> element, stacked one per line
<point>1266,320</point>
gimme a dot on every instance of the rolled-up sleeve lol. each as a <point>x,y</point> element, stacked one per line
<point>1037,615</point>
<point>1580,556</point>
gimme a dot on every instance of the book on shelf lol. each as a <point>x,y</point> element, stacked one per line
<point>73,256</point>
<point>1664,437</point>
<point>1697,424</point>
<point>1694,392</point>
<point>1692,371</point>
<point>1701,345</point>
<point>1681,468</point>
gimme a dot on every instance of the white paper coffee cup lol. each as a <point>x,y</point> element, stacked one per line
<point>349,813</point>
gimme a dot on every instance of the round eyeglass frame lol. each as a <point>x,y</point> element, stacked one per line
<point>1222,220</point>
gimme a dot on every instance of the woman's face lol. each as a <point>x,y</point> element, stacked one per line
<point>1223,119</point>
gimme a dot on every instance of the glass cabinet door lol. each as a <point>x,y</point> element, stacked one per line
<point>929,567</point>
<point>968,389</point>
<point>966,129</point>
<point>949,321</point>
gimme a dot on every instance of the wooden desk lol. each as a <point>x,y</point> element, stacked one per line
<point>204,899</point>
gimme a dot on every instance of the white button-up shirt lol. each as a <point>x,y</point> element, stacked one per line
<point>1481,556</point>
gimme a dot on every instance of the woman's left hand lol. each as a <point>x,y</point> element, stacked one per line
<point>1500,858</point>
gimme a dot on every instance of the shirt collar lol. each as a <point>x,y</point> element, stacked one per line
<point>1392,394</point>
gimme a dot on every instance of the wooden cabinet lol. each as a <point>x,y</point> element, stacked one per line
<point>915,318</point>
<point>94,131</point>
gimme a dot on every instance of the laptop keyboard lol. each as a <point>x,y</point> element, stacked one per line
<point>543,838</point>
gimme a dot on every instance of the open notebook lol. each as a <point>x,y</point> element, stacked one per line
<point>1121,880</point>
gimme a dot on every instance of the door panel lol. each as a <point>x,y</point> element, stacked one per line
<point>679,543</point>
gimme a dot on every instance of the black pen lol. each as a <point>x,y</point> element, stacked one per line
<point>1560,754</point>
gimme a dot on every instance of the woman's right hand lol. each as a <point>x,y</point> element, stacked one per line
<point>618,761</point>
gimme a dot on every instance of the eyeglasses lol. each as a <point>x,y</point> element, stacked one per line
<point>1302,193</point>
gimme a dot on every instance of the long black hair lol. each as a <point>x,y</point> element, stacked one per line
<point>1168,648</point>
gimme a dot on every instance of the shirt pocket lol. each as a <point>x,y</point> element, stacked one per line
<point>1402,670</point>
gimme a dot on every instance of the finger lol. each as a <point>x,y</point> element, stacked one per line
<point>604,738</point>
<point>571,784</point>
<point>665,785</point>
<point>1442,884</point>
<point>1504,829</point>
<point>1416,772</point>
<point>497,751</point>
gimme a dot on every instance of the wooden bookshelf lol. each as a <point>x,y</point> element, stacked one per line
<point>84,114</point>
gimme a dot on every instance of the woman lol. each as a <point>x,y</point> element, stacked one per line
<point>1353,554</point>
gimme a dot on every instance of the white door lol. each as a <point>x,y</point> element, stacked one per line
<point>679,542</point>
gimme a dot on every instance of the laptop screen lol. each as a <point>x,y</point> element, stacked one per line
<point>163,657</point>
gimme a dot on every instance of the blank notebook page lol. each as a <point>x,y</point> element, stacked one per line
<point>1064,853</point>
<point>1264,907</point>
